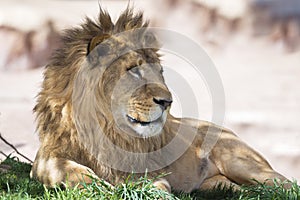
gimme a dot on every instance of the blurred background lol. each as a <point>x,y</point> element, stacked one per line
<point>254,44</point>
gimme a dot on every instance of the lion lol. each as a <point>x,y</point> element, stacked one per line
<point>104,109</point>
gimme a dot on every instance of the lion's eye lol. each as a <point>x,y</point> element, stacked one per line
<point>135,71</point>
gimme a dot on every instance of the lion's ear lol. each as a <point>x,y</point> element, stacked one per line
<point>96,41</point>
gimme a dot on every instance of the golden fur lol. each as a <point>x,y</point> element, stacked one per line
<point>73,103</point>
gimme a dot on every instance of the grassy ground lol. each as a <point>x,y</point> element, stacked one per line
<point>16,184</point>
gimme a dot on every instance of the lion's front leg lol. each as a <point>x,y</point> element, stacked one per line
<point>54,171</point>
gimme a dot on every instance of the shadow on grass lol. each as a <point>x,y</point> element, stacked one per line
<point>15,181</point>
<point>16,184</point>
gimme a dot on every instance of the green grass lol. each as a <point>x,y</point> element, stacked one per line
<point>16,184</point>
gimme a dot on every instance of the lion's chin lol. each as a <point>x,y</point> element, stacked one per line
<point>147,129</point>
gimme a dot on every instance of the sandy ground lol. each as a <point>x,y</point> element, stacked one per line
<point>261,82</point>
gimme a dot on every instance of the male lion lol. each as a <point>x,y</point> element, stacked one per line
<point>104,109</point>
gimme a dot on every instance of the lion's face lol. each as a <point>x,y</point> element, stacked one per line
<point>133,84</point>
<point>139,97</point>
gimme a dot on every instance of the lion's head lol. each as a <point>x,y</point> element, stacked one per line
<point>107,74</point>
<point>139,97</point>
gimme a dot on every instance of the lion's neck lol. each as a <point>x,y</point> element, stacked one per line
<point>139,144</point>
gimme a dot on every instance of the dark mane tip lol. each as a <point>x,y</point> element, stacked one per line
<point>80,38</point>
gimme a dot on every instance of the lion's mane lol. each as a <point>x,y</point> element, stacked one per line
<point>56,116</point>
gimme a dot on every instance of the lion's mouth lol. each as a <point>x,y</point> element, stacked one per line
<point>143,123</point>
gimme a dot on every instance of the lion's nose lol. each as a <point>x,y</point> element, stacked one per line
<point>164,103</point>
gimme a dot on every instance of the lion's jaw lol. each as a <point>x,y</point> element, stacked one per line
<point>150,127</point>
